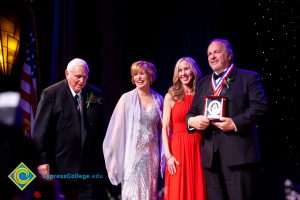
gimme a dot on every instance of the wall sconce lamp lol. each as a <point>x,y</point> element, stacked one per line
<point>9,44</point>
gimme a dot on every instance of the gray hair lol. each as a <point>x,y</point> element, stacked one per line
<point>77,62</point>
<point>227,45</point>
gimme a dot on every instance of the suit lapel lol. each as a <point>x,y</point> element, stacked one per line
<point>223,91</point>
<point>83,117</point>
<point>226,88</point>
<point>69,99</point>
<point>71,109</point>
<point>209,88</point>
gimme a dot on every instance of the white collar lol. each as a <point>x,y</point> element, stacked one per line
<point>74,93</point>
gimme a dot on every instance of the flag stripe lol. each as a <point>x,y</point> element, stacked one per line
<point>29,76</point>
<point>25,86</point>
<point>27,69</point>
<point>25,106</point>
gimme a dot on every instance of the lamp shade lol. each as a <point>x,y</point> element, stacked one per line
<point>9,44</point>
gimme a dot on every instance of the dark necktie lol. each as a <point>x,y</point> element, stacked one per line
<point>216,76</point>
<point>76,100</point>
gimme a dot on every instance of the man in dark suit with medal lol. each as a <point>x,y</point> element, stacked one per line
<point>68,131</point>
<point>229,148</point>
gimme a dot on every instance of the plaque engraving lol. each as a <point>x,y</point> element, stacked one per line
<point>214,107</point>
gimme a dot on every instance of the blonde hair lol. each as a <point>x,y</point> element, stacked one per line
<point>143,65</point>
<point>177,90</point>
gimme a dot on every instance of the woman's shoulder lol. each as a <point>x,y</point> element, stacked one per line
<point>129,95</point>
<point>168,97</point>
<point>156,94</point>
<point>168,100</point>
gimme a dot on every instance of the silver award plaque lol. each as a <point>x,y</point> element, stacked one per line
<point>214,107</point>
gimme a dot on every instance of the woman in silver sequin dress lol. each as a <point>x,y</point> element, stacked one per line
<point>132,143</point>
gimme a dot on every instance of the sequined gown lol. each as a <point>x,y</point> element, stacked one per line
<point>188,182</point>
<point>142,183</point>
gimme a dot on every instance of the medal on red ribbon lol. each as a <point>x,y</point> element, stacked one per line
<point>217,86</point>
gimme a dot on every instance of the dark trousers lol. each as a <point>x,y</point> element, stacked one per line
<point>230,183</point>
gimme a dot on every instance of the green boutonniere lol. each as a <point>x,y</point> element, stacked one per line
<point>91,98</point>
<point>228,81</point>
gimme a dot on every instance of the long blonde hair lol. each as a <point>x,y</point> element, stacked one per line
<point>177,90</point>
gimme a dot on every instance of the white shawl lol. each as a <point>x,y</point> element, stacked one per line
<point>119,145</point>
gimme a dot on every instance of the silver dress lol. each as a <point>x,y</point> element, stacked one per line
<point>142,182</point>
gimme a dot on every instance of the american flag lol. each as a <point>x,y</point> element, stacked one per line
<point>29,81</point>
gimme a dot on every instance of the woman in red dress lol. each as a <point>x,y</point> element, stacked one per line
<point>184,179</point>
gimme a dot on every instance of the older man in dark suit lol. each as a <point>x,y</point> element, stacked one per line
<point>229,147</point>
<point>67,134</point>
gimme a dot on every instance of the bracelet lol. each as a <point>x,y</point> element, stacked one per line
<point>169,158</point>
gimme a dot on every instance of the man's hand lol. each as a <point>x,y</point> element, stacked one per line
<point>44,169</point>
<point>225,124</point>
<point>199,122</point>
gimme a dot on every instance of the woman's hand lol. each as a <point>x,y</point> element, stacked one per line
<point>171,164</point>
